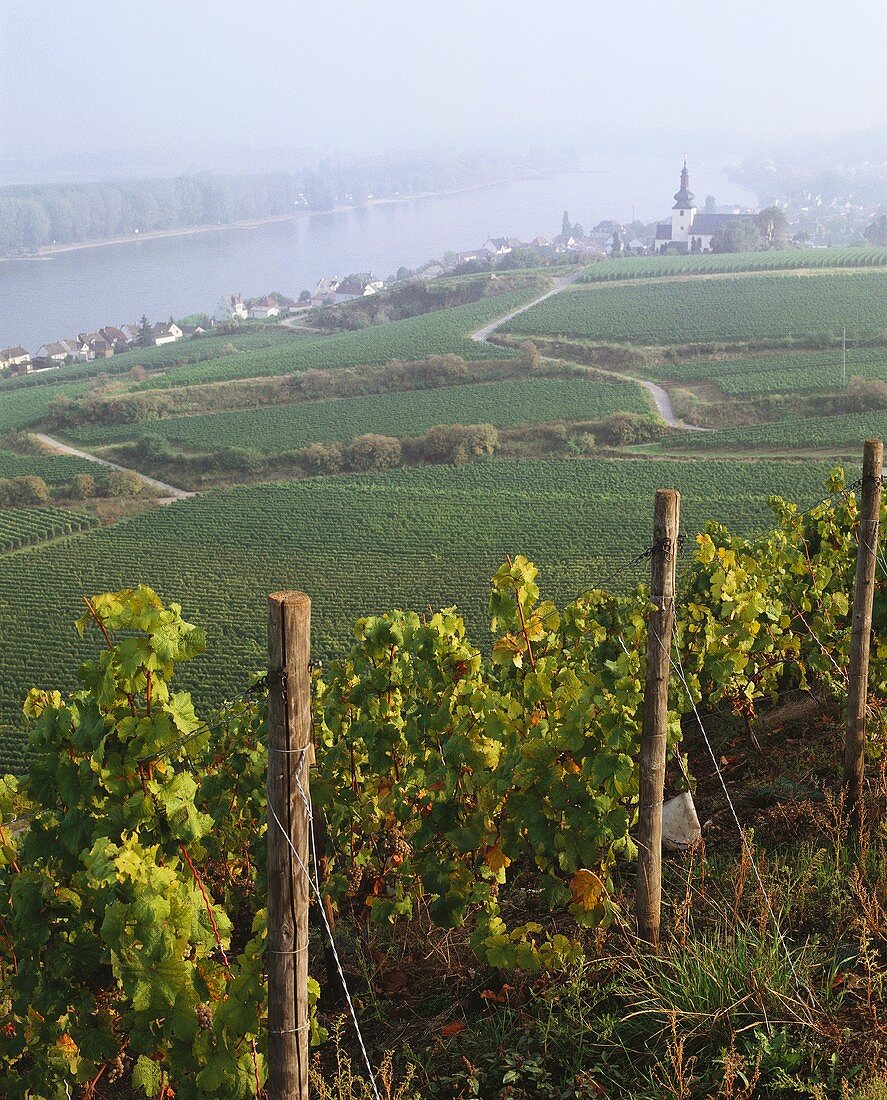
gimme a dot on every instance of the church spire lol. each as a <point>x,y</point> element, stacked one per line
<point>684,197</point>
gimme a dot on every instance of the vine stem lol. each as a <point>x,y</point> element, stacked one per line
<point>215,929</point>
<point>208,905</point>
<point>99,622</point>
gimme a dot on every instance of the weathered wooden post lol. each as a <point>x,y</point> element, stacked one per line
<point>289,759</point>
<point>860,639</point>
<point>660,626</point>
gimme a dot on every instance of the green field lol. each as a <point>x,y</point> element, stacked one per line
<point>357,545</point>
<point>440,333</point>
<point>25,526</point>
<point>837,433</point>
<point>22,408</point>
<point>192,350</point>
<point>783,372</point>
<point>52,468</point>
<point>759,308</point>
<point>654,267</point>
<point>285,427</point>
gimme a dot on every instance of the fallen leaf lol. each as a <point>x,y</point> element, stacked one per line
<point>499,998</point>
<point>449,1030</point>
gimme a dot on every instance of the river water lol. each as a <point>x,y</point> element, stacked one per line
<point>55,297</point>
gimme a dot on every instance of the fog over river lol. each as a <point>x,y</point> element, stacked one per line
<point>55,297</point>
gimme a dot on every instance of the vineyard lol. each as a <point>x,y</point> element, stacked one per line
<point>52,468</point>
<point>192,350</point>
<point>281,428</point>
<point>438,333</point>
<point>362,544</point>
<point>785,372</point>
<point>26,526</point>
<point>785,436</point>
<point>483,812</point>
<point>655,267</point>
<point>22,408</point>
<point>760,308</point>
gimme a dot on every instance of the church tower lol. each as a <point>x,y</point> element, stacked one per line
<point>683,213</point>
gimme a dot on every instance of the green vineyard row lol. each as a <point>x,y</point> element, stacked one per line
<point>806,433</point>
<point>787,372</point>
<point>440,333</point>
<point>652,267</point>
<point>285,427</point>
<point>25,526</point>
<point>766,307</point>
<point>414,537</point>
<point>52,468</point>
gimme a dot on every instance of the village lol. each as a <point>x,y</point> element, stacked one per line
<point>688,229</point>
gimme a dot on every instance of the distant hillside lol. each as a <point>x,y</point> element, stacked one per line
<point>834,168</point>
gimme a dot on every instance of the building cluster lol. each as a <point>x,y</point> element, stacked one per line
<point>88,346</point>
<point>331,290</point>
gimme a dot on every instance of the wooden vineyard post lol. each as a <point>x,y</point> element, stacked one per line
<point>660,626</point>
<point>860,639</point>
<point>289,758</point>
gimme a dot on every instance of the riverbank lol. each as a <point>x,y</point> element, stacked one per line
<point>48,251</point>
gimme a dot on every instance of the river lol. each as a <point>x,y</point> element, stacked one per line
<point>56,296</point>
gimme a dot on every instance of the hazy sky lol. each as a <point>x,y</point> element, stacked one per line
<point>85,77</point>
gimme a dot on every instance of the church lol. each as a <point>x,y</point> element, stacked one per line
<point>688,230</point>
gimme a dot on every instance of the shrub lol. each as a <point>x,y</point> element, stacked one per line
<point>322,459</point>
<point>374,452</point>
<point>624,428</point>
<point>29,490</point>
<point>82,486</point>
<point>458,443</point>
<point>864,395</point>
<point>124,483</point>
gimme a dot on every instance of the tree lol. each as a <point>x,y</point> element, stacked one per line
<point>566,227</point>
<point>738,235</point>
<point>145,338</point>
<point>578,231</point>
<point>305,296</point>
<point>710,204</point>
<point>772,223</point>
<point>528,356</point>
<point>876,233</point>
<point>617,242</point>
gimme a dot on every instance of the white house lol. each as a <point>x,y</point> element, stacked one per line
<point>688,230</point>
<point>496,246</point>
<point>14,357</point>
<point>352,288</point>
<point>166,332</point>
<point>325,292</point>
<point>263,309</point>
<point>54,353</point>
<point>78,350</point>
<point>236,308</point>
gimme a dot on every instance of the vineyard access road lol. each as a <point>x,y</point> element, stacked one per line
<point>167,492</point>
<point>660,396</point>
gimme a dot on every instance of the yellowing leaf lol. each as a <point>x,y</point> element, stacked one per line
<point>496,859</point>
<point>587,888</point>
